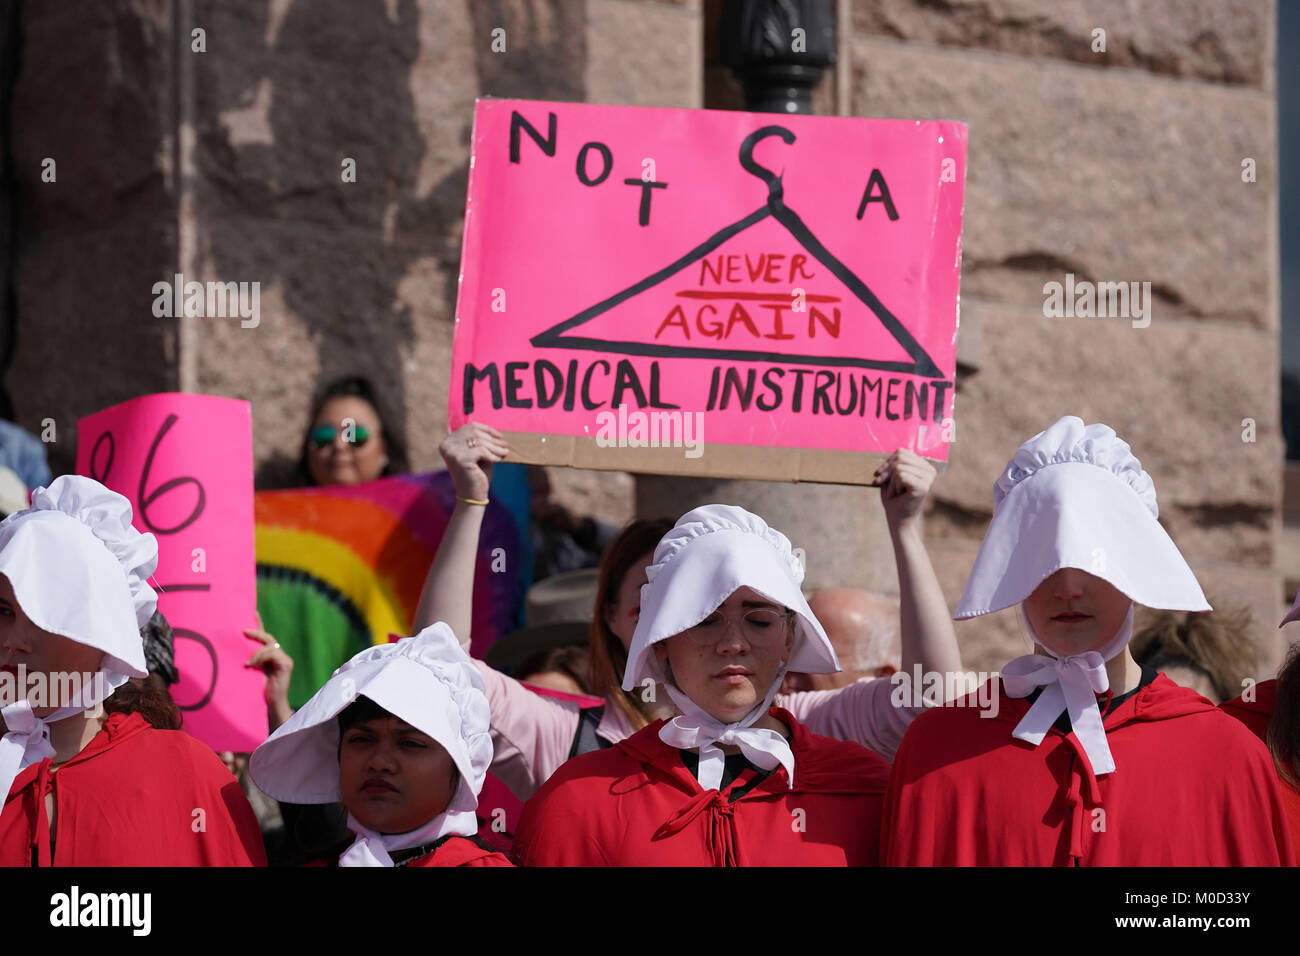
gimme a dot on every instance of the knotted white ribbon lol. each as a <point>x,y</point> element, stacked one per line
<point>1069,684</point>
<point>27,737</point>
<point>373,849</point>
<point>26,742</point>
<point>696,730</point>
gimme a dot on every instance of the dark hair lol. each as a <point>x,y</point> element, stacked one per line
<point>355,386</point>
<point>1284,729</point>
<point>148,697</point>
<point>608,656</point>
<point>1217,643</point>
<point>358,712</point>
<point>571,660</point>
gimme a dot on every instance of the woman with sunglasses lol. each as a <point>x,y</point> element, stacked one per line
<point>349,440</point>
<point>731,780</point>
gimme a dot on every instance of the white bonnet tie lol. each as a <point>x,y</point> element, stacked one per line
<point>1069,684</point>
<point>696,730</point>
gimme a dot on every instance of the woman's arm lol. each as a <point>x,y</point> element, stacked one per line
<point>448,593</point>
<point>928,636</point>
<point>531,734</point>
<point>876,712</point>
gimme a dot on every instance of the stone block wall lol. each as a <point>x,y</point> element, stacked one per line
<point>1123,165</point>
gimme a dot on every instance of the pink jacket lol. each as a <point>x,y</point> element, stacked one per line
<point>533,735</point>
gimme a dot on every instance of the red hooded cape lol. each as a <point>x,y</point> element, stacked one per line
<point>1257,714</point>
<point>636,804</point>
<point>131,798</point>
<point>456,851</point>
<point>1191,787</point>
<point>461,852</point>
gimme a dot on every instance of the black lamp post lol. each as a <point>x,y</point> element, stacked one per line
<point>778,50</point>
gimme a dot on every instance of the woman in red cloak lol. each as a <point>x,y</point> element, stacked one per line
<point>1271,709</point>
<point>1086,759</point>
<point>731,780</point>
<point>399,735</point>
<point>534,735</point>
<point>84,788</point>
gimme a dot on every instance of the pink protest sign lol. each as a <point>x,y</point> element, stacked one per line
<point>682,291</point>
<point>185,462</point>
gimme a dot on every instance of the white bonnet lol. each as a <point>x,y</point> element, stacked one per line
<point>710,553</point>
<point>79,569</point>
<point>1074,496</point>
<point>426,680</point>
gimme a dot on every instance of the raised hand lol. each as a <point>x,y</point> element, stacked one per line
<point>469,452</point>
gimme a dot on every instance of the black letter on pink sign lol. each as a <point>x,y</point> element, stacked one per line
<point>517,123</point>
<point>101,474</point>
<point>582,164</point>
<point>472,375</point>
<point>877,181</point>
<point>146,500</point>
<point>644,218</point>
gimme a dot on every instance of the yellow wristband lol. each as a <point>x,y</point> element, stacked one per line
<point>473,501</point>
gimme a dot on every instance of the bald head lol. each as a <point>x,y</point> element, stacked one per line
<point>864,630</point>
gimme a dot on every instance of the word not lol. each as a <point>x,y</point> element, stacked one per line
<point>1105,300</point>
<point>103,909</point>
<point>548,143</point>
<point>56,689</point>
<point>216,300</point>
<point>639,429</point>
<point>948,689</point>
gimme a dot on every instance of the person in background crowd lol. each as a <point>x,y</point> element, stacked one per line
<point>559,668</point>
<point>1270,709</point>
<point>562,541</point>
<point>864,630</point>
<point>1087,760</point>
<point>732,780</point>
<point>533,736</point>
<point>85,787</point>
<point>1211,652</point>
<point>350,439</point>
<point>399,735</point>
<point>13,493</point>
<point>150,696</point>
<point>24,454</point>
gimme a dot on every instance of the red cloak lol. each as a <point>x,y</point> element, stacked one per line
<point>459,851</point>
<point>132,798</point>
<point>454,851</point>
<point>636,804</point>
<point>1257,714</point>
<point>1191,787</point>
